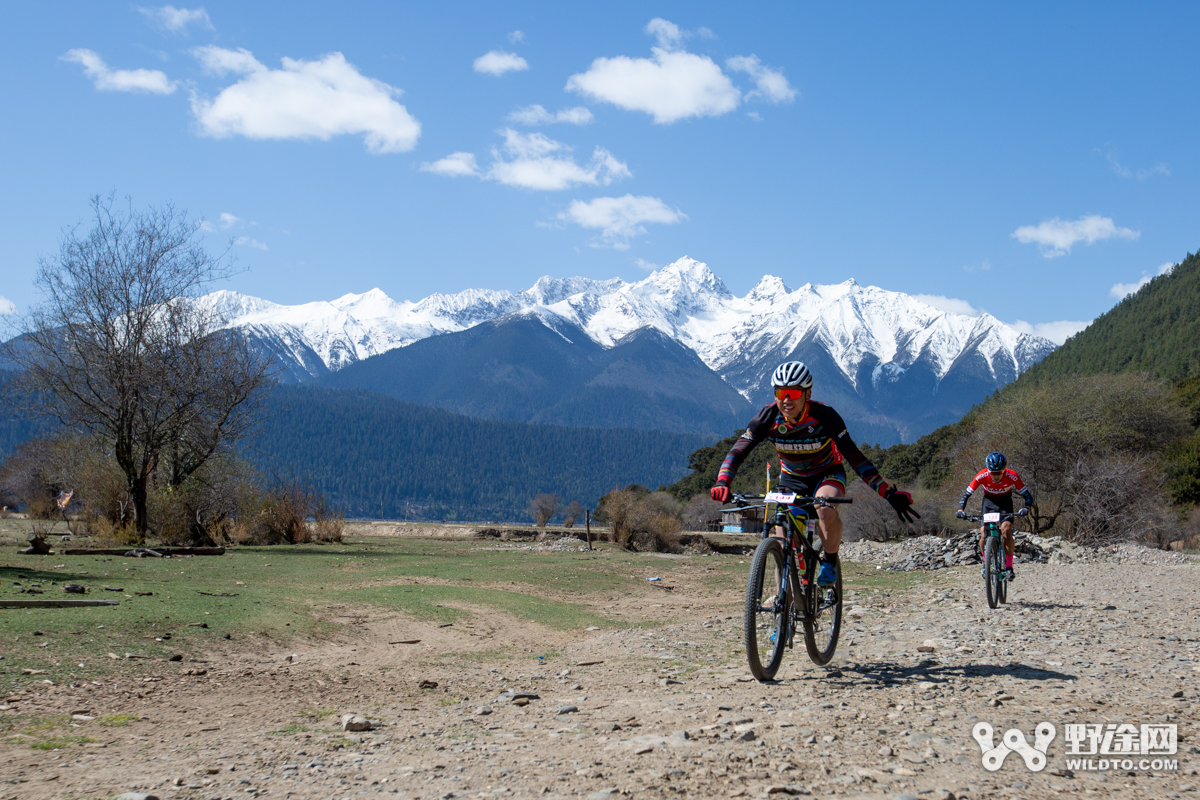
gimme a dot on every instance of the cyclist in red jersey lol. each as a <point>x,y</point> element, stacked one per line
<point>811,440</point>
<point>998,484</point>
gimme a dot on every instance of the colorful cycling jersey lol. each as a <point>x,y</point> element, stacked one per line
<point>812,444</point>
<point>1004,483</point>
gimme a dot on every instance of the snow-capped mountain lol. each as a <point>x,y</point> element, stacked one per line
<point>876,354</point>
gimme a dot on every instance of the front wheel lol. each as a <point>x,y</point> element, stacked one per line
<point>992,579</point>
<point>766,621</point>
<point>823,622</point>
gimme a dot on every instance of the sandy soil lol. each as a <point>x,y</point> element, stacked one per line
<point>666,712</point>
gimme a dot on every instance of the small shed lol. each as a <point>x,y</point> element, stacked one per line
<point>741,520</point>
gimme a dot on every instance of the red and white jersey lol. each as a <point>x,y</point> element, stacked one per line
<point>1005,482</point>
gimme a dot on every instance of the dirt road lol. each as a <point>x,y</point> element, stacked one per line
<point>670,711</point>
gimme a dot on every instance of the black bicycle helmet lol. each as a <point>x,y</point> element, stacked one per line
<point>996,461</point>
<point>792,374</point>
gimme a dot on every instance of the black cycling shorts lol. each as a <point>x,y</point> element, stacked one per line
<point>807,485</point>
<point>998,502</point>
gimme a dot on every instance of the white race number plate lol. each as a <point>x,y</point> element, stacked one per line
<point>784,498</point>
<point>993,516</point>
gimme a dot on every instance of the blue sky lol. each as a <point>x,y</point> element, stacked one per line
<point>1024,159</point>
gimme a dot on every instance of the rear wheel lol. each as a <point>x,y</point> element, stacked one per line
<point>823,623</point>
<point>991,576</point>
<point>766,621</point>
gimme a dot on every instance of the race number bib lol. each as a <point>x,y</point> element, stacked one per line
<point>992,516</point>
<point>783,498</point>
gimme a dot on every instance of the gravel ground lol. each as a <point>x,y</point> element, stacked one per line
<point>669,711</point>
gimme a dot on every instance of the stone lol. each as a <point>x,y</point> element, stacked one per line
<point>746,736</point>
<point>136,796</point>
<point>567,710</point>
<point>483,711</point>
<point>355,722</point>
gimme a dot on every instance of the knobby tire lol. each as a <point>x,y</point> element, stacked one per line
<point>763,655</point>
<point>992,577</point>
<point>823,620</point>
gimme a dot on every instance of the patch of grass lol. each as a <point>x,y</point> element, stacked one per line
<point>287,730</point>
<point>59,742</point>
<point>116,720</point>
<point>266,596</point>
<point>47,723</point>
<point>448,701</point>
<point>318,713</point>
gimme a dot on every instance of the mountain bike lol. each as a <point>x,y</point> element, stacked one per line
<point>782,587</point>
<point>995,576</point>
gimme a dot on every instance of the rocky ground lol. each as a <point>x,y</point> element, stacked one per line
<point>663,712</point>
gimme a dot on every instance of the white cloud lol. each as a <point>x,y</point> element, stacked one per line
<point>1122,290</point>
<point>516,36</point>
<point>772,86</point>
<point>951,305</point>
<point>1056,236</point>
<point>534,161</point>
<point>497,62</point>
<point>7,306</point>
<point>537,115</point>
<point>119,80</point>
<point>667,33</point>
<point>1057,332</point>
<point>643,264</point>
<point>206,226</point>
<point>219,61</point>
<point>620,218</point>
<point>1141,174</point>
<point>304,100</point>
<point>177,19</point>
<point>228,220</point>
<point>674,85</point>
<point>246,241</point>
<point>985,266</point>
<point>454,165</point>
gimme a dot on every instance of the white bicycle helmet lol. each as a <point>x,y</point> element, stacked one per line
<point>792,374</point>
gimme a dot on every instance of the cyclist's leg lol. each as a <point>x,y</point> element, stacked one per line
<point>832,484</point>
<point>831,524</point>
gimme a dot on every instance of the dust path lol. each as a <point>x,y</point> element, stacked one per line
<point>662,712</point>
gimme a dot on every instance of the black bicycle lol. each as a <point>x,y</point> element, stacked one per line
<point>782,588</point>
<point>995,576</point>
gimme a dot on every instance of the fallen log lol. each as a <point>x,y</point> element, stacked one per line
<point>166,551</point>
<point>55,603</point>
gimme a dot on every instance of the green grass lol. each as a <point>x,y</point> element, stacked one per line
<point>116,720</point>
<point>265,597</point>
<point>58,742</point>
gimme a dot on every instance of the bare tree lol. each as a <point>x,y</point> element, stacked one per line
<point>1087,447</point>
<point>543,507</point>
<point>572,513</point>
<point>700,511</point>
<point>121,348</point>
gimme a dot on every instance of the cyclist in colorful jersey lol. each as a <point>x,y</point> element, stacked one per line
<point>998,485</point>
<point>811,440</point>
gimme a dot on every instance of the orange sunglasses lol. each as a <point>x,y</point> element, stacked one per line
<point>789,394</point>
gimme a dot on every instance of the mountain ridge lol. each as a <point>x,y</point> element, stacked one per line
<point>875,347</point>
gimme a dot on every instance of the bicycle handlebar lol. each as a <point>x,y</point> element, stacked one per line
<point>743,500</point>
<point>1004,515</point>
